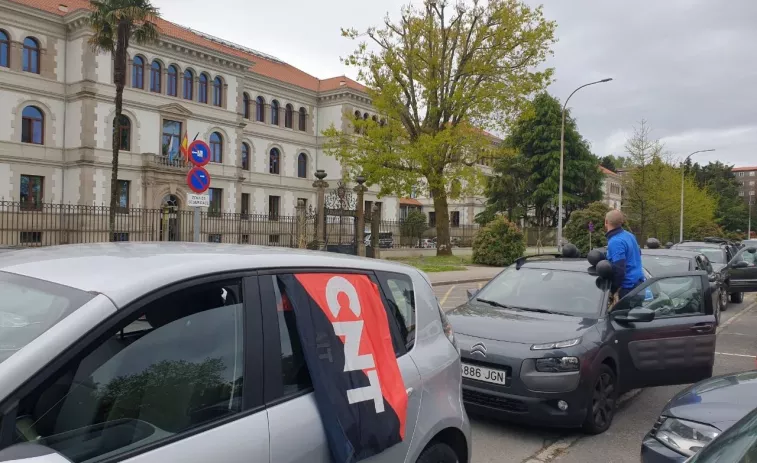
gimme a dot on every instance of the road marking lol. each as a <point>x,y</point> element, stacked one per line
<point>735,317</point>
<point>735,355</point>
<point>446,295</point>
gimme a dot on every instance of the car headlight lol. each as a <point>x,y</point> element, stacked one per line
<point>557,345</point>
<point>686,437</point>
<point>557,364</point>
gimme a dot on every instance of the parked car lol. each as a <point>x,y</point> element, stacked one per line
<point>659,262</point>
<point>738,444</point>
<point>720,252</point>
<point>697,416</point>
<point>748,243</point>
<point>542,343</point>
<point>386,240</point>
<point>216,363</point>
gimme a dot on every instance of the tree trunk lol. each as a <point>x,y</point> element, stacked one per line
<point>119,78</point>
<point>443,245</point>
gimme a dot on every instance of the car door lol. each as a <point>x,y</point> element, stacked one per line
<point>704,264</point>
<point>743,270</point>
<point>172,377</point>
<point>292,408</point>
<point>678,345</point>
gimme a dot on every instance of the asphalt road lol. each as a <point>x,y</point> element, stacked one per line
<point>503,442</point>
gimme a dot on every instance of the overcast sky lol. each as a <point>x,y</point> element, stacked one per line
<point>689,67</point>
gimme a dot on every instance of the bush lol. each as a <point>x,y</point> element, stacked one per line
<point>577,229</point>
<point>499,243</point>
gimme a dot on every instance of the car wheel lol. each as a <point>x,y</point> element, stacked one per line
<point>438,452</point>
<point>737,298</point>
<point>603,401</point>
<point>723,299</point>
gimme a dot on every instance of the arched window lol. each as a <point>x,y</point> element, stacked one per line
<point>155,71</point>
<point>31,55</point>
<point>274,158</point>
<point>260,109</point>
<point>125,124</point>
<point>216,148</point>
<point>303,119</point>
<point>32,126</point>
<point>289,117</point>
<point>246,105</point>
<point>138,73</point>
<point>217,92</point>
<point>302,165</point>
<point>365,116</point>
<point>172,82</point>
<point>357,118</point>
<point>188,84</point>
<point>374,119</point>
<point>274,112</point>
<point>382,122</point>
<point>5,49</point>
<point>245,156</point>
<point>203,89</point>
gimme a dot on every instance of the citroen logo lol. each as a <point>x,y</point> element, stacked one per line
<point>478,348</point>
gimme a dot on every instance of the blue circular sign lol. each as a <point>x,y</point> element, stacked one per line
<point>199,153</point>
<point>198,180</point>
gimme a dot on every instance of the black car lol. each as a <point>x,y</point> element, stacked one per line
<point>697,416</point>
<point>658,262</point>
<point>542,342</point>
<point>720,253</point>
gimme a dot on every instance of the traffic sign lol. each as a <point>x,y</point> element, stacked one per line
<point>195,200</point>
<point>198,180</point>
<point>199,153</point>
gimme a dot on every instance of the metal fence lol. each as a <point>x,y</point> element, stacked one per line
<point>45,224</point>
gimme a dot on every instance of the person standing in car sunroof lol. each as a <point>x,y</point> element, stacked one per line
<point>624,254</point>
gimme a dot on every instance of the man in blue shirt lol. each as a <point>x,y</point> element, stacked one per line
<point>624,254</point>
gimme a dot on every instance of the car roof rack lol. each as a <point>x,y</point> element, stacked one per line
<point>522,260</point>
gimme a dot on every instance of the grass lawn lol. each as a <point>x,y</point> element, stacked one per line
<point>431,264</point>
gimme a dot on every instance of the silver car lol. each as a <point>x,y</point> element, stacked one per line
<point>180,352</point>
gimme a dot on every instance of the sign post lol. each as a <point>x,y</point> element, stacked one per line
<point>198,180</point>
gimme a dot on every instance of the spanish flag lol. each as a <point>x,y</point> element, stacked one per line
<point>184,148</point>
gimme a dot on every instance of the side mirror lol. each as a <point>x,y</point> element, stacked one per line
<point>712,277</point>
<point>638,315</point>
<point>472,293</point>
<point>740,264</point>
<point>31,453</point>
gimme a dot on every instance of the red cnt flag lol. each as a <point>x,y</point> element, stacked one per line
<point>185,146</point>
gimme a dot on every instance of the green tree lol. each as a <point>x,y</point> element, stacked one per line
<point>116,23</point>
<point>414,225</point>
<point>731,212</point>
<point>499,243</point>
<point>577,228</point>
<point>536,137</point>
<point>439,77</point>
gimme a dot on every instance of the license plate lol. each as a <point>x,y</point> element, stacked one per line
<point>488,375</point>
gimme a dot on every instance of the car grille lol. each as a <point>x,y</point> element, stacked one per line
<point>491,401</point>
<point>657,424</point>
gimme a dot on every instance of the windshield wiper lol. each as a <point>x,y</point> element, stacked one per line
<point>494,303</point>
<point>526,309</point>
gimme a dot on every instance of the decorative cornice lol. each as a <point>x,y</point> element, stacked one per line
<point>344,94</point>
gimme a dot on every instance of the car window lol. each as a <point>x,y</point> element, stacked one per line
<point>668,297</point>
<point>574,293</point>
<point>747,257</point>
<point>716,255</point>
<point>294,370</point>
<point>400,294</point>
<point>660,265</point>
<point>179,365</point>
<point>29,307</point>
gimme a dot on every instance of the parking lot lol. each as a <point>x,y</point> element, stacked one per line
<point>502,442</point>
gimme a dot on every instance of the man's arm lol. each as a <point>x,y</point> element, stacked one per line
<point>616,254</point>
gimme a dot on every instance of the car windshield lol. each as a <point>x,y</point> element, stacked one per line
<point>660,265</point>
<point>716,255</point>
<point>29,307</point>
<point>574,293</point>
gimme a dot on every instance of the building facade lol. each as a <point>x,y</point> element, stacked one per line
<point>747,177</point>
<point>612,188</point>
<point>261,117</point>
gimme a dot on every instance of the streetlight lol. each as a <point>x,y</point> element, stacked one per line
<point>562,159</point>
<point>749,225</point>
<point>683,171</point>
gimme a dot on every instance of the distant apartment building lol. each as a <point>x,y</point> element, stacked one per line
<point>612,189</point>
<point>747,177</point>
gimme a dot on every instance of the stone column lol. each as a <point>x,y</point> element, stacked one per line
<point>16,56</point>
<point>196,88</point>
<point>320,226</point>
<point>282,116</point>
<point>360,189</point>
<point>225,95</point>
<point>375,230</point>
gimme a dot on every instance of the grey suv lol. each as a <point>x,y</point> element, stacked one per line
<point>542,342</point>
<point>188,353</point>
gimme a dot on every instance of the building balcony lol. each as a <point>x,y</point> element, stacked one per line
<point>160,162</point>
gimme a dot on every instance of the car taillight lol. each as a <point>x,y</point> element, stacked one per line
<point>447,327</point>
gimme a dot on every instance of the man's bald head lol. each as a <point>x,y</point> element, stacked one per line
<point>614,219</point>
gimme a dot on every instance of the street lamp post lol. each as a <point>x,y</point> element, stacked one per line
<point>749,224</point>
<point>562,160</point>
<point>683,171</point>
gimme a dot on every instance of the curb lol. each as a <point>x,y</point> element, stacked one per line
<point>459,282</point>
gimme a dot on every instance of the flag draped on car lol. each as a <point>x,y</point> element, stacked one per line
<point>348,349</point>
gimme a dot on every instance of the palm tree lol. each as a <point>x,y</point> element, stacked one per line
<point>116,23</point>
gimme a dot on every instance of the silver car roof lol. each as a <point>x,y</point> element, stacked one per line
<point>126,271</point>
